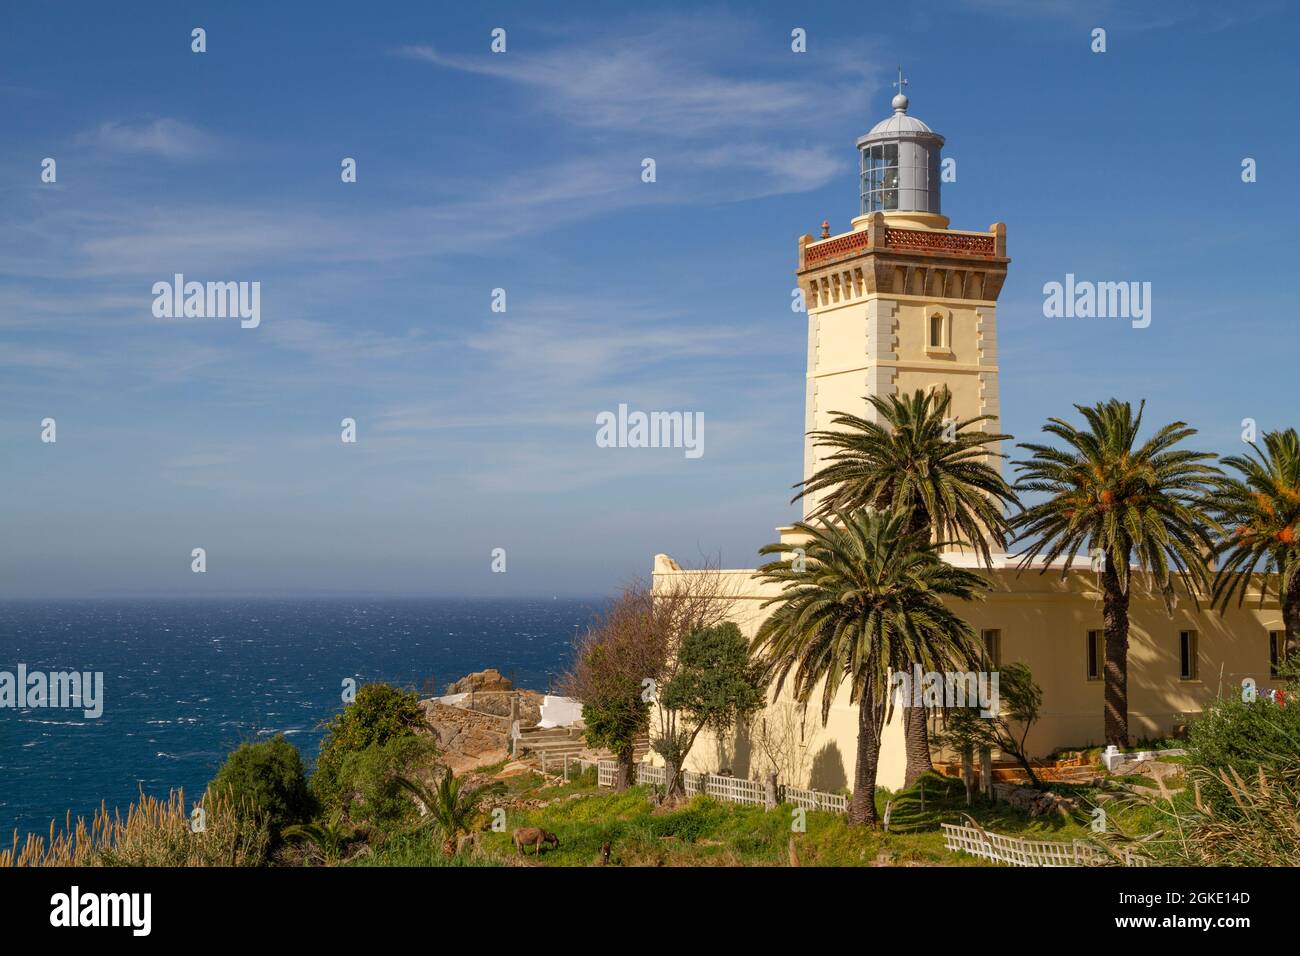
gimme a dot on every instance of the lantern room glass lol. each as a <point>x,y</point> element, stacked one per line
<point>899,176</point>
<point>880,177</point>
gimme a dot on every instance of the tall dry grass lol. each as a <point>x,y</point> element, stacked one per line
<point>1255,823</point>
<point>152,833</point>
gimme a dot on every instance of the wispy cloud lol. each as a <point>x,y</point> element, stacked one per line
<point>1206,15</point>
<point>13,355</point>
<point>695,98</point>
<point>328,344</point>
<point>165,137</point>
<point>645,84</point>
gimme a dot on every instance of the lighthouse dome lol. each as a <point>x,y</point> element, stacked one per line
<point>900,159</point>
<point>900,123</point>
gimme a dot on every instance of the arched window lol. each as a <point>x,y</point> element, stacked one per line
<point>936,331</point>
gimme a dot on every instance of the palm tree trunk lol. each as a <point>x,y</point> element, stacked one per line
<point>916,736</point>
<point>1291,618</point>
<point>916,731</point>
<point>1115,609</point>
<point>862,807</point>
<point>968,772</point>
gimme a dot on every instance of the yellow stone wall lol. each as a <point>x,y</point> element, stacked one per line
<point>1044,622</point>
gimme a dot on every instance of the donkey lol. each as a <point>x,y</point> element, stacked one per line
<point>535,837</point>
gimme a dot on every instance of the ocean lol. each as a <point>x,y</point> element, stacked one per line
<point>185,682</point>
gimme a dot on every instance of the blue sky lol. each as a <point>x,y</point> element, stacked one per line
<point>522,171</point>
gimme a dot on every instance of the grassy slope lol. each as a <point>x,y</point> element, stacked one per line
<point>705,832</point>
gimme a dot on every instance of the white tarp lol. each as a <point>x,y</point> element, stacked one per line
<point>560,711</point>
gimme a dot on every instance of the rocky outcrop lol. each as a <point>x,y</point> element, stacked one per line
<point>1155,769</point>
<point>485,680</point>
<point>1034,802</point>
<point>497,703</point>
<point>465,738</point>
<point>475,730</point>
<point>463,730</point>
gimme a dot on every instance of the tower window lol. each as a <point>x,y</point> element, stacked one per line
<point>1187,653</point>
<point>992,648</point>
<point>936,331</point>
<point>1096,649</point>
<point>1276,651</point>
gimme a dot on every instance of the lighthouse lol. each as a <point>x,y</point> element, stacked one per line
<point>900,301</point>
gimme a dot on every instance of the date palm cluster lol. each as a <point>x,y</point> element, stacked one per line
<point>865,591</point>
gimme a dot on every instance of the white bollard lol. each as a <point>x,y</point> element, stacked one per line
<point>1111,757</point>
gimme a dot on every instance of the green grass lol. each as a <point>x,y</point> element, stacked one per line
<point>706,832</point>
<point>417,848</point>
<point>702,832</point>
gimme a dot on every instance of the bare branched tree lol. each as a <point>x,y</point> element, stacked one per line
<point>785,740</point>
<point>630,650</point>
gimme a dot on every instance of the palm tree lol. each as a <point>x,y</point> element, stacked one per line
<point>1141,504</point>
<point>861,602</point>
<point>918,461</point>
<point>328,840</point>
<point>448,807</point>
<point>1263,510</point>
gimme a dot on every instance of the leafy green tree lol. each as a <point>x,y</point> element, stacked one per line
<point>612,664</point>
<point>267,780</point>
<point>617,716</point>
<point>864,600</point>
<point>372,796</point>
<point>716,685</point>
<point>379,714</point>
<point>915,459</point>
<point>1261,509</point>
<point>1130,502</point>
<point>448,807</point>
<point>1020,705</point>
<point>631,651</point>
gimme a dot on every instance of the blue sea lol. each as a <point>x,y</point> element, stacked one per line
<point>185,682</point>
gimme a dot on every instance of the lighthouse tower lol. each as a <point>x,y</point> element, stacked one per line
<point>900,302</point>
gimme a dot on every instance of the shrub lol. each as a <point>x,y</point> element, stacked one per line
<point>266,780</point>
<point>379,714</point>
<point>372,796</point>
<point>1233,735</point>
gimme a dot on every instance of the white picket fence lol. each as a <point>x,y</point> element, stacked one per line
<point>815,799</point>
<point>1017,851</point>
<point>731,789</point>
<point>606,773</point>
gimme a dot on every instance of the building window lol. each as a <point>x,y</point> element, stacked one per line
<point>1276,651</point>
<point>1187,664</point>
<point>1096,653</point>
<point>992,648</point>
<point>936,331</point>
